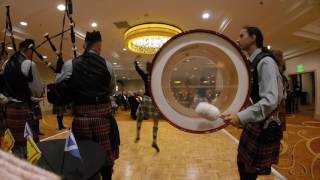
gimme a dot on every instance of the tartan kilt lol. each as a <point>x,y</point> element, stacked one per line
<point>147,109</point>
<point>96,123</point>
<point>257,154</point>
<point>17,115</point>
<point>59,109</point>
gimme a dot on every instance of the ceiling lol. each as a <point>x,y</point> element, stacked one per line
<point>292,26</point>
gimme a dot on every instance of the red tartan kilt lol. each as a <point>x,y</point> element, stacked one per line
<point>17,115</point>
<point>93,122</point>
<point>254,153</point>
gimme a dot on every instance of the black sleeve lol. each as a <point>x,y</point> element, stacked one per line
<point>140,72</point>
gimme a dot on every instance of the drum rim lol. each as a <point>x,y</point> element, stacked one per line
<point>244,59</point>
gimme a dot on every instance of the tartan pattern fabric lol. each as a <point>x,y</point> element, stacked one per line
<point>147,109</point>
<point>96,123</point>
<point>17,114</point>
<point>254,153</point>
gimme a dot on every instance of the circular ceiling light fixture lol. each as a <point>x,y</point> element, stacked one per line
<point>148,38</point>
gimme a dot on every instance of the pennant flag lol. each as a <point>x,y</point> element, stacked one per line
<point>27,131</point>
<point>33,152</point>
<point>71,146</point>
<point>7,141</point>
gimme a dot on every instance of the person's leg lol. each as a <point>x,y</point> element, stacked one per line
<point>140,117</point>
<point>155,134</point>
<point>139,122</point>
<point>60,121</point>
<point>246,173</point>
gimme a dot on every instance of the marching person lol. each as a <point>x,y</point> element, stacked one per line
<point>146,108</point>
<point>259,144</point>
<point>90,80</point>
<point>21,82</point>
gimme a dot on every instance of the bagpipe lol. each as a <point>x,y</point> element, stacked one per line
<point>52,93</point>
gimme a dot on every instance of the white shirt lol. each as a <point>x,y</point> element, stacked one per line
<point>270,91</point>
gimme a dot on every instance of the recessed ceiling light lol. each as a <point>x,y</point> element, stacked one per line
<point>23,23</point>
<point>205,15</point>
<point>124,49</point>
<point>61,7</point>
<point>94,24</point>
<point>114,63</point>
<point>45,57</point>
<point>115,55</point>
<point>9,47</point>
<point>269,47</point>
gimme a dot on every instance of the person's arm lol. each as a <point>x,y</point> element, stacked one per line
<point>112,85</point>
<point>36,86</point>
<point>139,70</point>
<point>66,71</point>
<point>269,92</point>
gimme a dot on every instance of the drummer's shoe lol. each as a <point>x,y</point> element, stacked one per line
<point>137,140</point>
<point>264,171</point>
<point>155,145</point>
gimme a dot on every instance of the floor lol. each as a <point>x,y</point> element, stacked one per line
<point>208,156</point>
<point>182,155</point>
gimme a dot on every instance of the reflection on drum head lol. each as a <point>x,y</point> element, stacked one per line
<point>199,66</point>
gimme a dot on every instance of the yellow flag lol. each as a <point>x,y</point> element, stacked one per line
<point>33,152</point>
<point>7,141</point>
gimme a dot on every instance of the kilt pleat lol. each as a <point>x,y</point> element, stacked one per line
<point>96,123</point>
<point>254,153</point>
<point>17,116</point>
<point>147,109</point>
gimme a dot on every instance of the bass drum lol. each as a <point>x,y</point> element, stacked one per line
<point>199,66</point>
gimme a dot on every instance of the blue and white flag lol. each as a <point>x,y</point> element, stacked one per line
<point>27,131</point>
<point>71,145</point>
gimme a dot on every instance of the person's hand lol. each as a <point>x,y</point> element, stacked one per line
<point>232,119</point>
<point>4,100</point>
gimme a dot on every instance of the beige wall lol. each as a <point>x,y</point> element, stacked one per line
<point>311,63</point>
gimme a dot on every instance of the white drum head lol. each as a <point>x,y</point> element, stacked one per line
<point>199,66</point>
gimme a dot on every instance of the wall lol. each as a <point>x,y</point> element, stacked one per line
<point>311,63</point>
<point>132,85</point>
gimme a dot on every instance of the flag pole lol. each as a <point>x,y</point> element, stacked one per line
<point>46,160</point>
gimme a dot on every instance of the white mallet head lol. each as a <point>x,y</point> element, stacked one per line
<point>207,111</point>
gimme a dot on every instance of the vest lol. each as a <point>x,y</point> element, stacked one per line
<point>255,80</point>
<point>90,80</point>
<point>15,82</point>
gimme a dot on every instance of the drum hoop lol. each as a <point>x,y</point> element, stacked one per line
<point>246,62</point>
